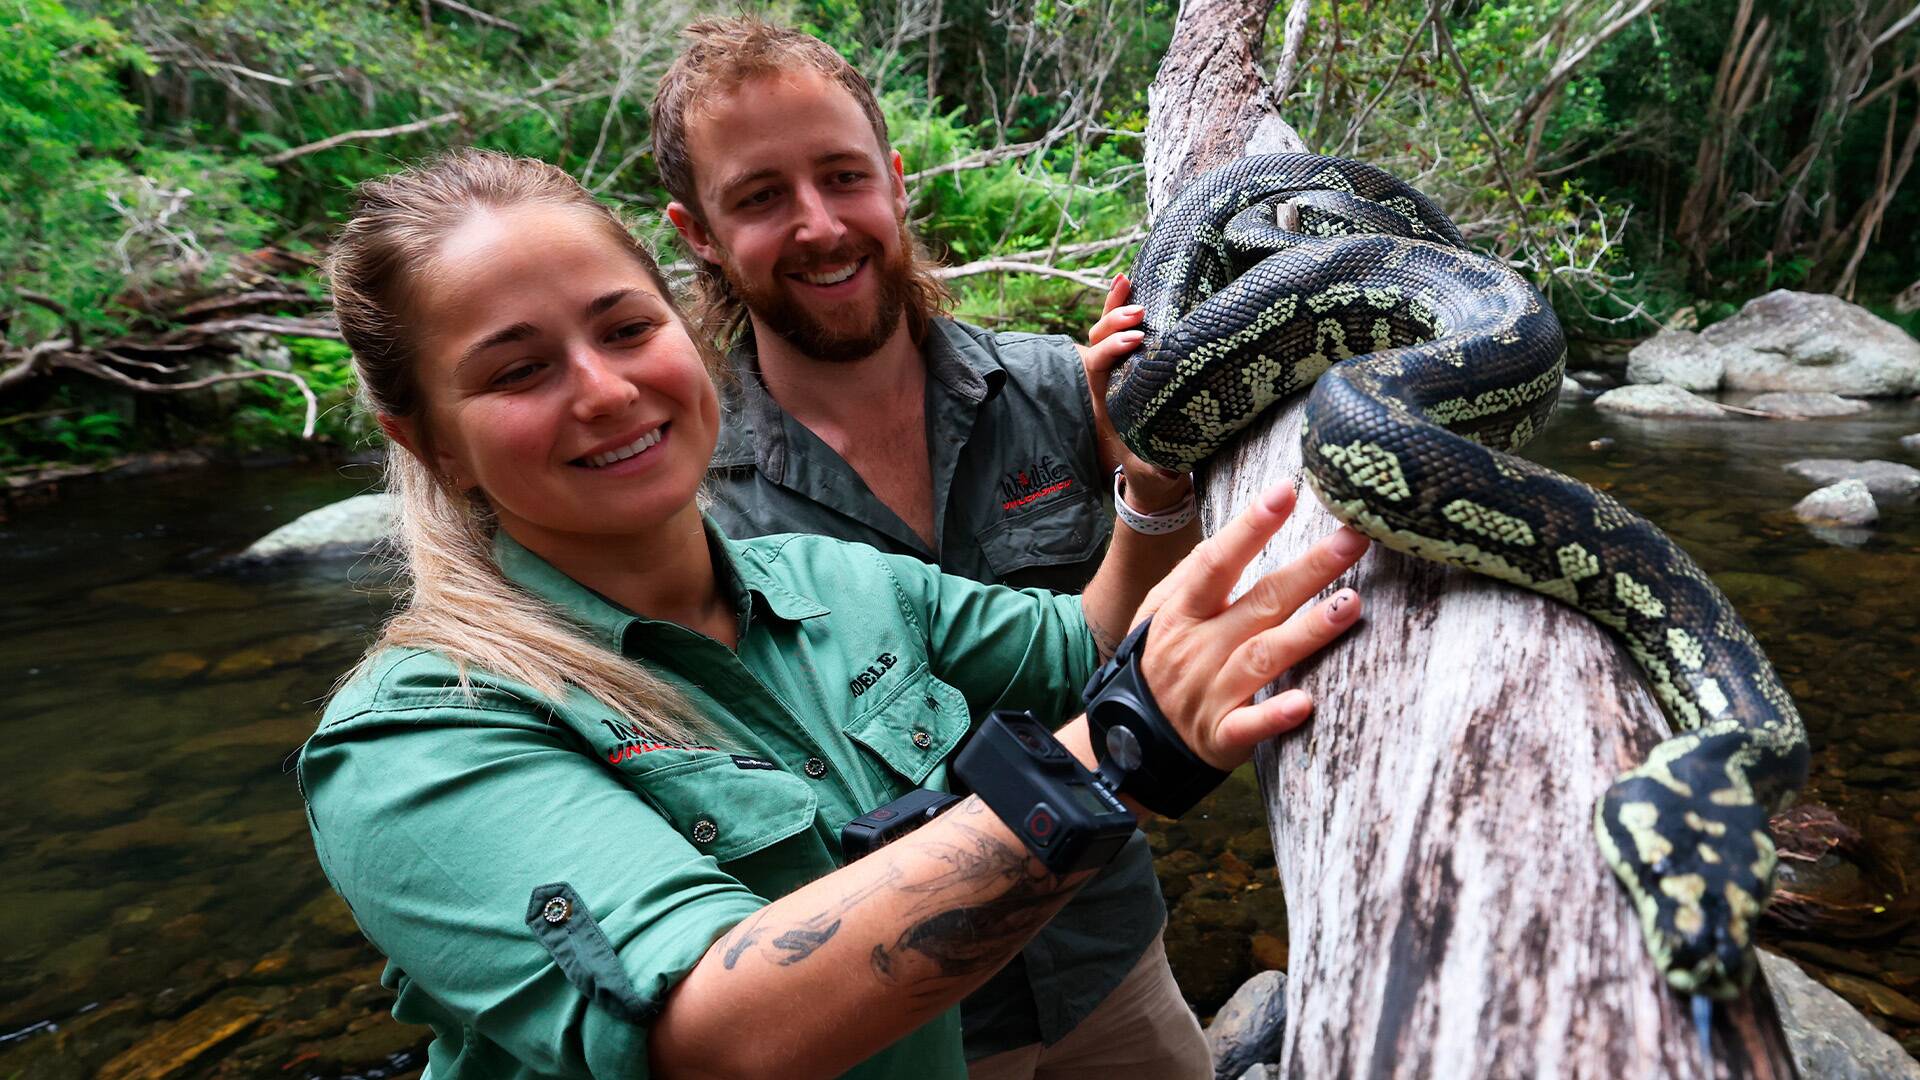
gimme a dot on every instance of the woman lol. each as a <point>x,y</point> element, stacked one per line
<point>586,790</point>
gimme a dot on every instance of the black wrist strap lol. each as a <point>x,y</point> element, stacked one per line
<point>1140,754</point>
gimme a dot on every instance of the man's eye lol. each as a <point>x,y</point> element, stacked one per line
<point>850,177</point>
<point>758,198</point>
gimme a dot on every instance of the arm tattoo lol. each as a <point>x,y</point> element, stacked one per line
<point>1104,643</point>
<point>798,942</point>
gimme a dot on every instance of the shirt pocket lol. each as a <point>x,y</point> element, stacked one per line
<point>914,727</point>
<point>724,810</point>
<point>1049,533</point>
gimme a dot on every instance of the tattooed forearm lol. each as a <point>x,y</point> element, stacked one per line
<point>803,939</point>
<point>962,937</point>
<point>800,943</point>
<point>1105,644</point>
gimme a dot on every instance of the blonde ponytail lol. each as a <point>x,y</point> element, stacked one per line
<point>456,601</point>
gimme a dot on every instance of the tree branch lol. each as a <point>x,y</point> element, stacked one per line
<point>1570,61</point>
<point>1016,266</point>
<point>480,16</point>
<point>332,141</point>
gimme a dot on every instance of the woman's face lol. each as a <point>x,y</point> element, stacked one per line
<point>558,380</point>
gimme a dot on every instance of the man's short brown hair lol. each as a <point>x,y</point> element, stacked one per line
<point>722,55</point>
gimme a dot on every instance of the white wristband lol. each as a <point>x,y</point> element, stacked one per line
<point>1166,521</point>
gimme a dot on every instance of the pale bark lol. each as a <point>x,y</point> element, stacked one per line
<point>1449,912</point>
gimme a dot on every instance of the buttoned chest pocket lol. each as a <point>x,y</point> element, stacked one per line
<point>723,809</point>
<point>1054,532</point>
<point>912,729</point>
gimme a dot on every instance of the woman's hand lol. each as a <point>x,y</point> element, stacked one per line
<point>1112,339</point>
<point>1205,658</point>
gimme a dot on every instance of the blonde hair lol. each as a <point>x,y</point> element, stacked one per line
<point>457,602</point>
<point>721,55</point>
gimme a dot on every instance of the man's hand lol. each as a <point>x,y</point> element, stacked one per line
<point>1149,489</point>
<point>1206,658</point>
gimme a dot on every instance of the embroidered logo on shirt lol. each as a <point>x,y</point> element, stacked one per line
<point>862,682</point>
<point>1037,480</point>
<point>632,743</point>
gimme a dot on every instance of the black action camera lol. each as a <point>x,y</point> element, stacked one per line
<point>1059,808</point>
<point>876,829</point>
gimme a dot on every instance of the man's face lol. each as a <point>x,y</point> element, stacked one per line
<point>802,211</point>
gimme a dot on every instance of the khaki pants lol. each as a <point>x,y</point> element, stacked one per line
<point>1142,1031</point>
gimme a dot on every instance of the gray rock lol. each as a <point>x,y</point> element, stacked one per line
<point>1247,1031</point>
<point>348,528</point>
<point>1911,443</point>
<point>1829,1038</point>
<point>1659,399</point>
<point>1677,357</point>
<point>1799,405</point>
<point>1595,381</point>
<point>1845,503</point>
<point>1887,480</point>
<point>1811,341</point>
<point>1570,391</point>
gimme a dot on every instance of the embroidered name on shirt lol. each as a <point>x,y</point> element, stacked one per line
<point>1039,480</point>
<point>632,743</point>
<point>864,681</point>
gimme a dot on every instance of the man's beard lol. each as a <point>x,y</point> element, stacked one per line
<point>838,342</point>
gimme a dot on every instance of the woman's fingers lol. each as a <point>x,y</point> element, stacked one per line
<point>1108,349</point>
<point>1198,587</point>
<point>1118,293</point>
<point>1249,725</point>
<point>1261,658</point>
<point>1278,595</point>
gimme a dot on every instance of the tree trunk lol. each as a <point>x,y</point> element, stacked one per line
<point>1448,909</point>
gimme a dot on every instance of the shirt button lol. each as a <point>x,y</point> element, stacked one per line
<point>815,768</point>
<point>557,910</point>
<point>704,831</point>
<point>922,740</point>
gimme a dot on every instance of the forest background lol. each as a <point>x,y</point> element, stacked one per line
<point>172,169</point>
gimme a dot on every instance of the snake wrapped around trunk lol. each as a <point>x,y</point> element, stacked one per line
<point>1428,362</point>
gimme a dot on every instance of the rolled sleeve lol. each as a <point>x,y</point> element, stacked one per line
<point>1001,647</point>
<point>452,834</point>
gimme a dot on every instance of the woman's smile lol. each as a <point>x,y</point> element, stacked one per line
<point>624,452</point>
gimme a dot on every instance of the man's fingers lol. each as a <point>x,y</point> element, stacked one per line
<point>1199,585</point>
<point>1275,597</point>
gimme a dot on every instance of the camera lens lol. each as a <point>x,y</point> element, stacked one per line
<point>1029,740</point>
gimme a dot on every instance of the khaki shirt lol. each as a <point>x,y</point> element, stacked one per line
<point>1020,498</point>
<point>539,875</point>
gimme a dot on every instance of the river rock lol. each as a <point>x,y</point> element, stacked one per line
<point>1811,341</point>
<point>179,1045</point>
<point>1911,443</point>
<point>1885,479</point>
<point>1678,358</point>
<point>1663,400</point>
<point>1249,1028</point>
<point>1570,391</point>
<point>1796,405</point>
<point>348,528</point>
<point>1845,503</point>
<point>1827,1037</point>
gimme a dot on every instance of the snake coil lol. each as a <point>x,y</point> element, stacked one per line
<point>1428,362</point>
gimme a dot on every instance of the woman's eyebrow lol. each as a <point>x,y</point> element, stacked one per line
<point>519,331</point>
<point>607,300</point>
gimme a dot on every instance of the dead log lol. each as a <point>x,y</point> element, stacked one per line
<point>1449,913</point>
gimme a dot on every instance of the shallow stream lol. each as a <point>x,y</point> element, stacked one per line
<point>166,917</point>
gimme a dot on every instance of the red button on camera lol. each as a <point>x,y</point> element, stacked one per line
<point>1041,824</point>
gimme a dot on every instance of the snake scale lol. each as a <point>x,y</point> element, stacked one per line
<point>1428,363</point>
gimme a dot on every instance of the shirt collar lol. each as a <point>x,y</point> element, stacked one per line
<point>744,579</point>
<point>755,433</point>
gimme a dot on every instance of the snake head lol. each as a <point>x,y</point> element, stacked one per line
<point>1692,848</point>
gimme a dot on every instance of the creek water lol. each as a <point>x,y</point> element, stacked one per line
<point>166,917</point>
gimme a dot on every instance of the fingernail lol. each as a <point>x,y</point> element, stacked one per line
<point>1348,544</point>
<point>1130,335</point>
<point>1296,704</point>
<point>1131,309</point>
<point>1342,607</point>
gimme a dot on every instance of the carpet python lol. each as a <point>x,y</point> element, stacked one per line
<point>1428,362</point>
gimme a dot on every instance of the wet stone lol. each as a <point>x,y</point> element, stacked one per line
<point>176,1047</point>
<point>1806,405</point>
<point>1910,443</point>
<point>175,595</point>
<point>1847,503</point>
<point>1269,952</point>
<point>86,796</point>
<point>1884,479</point>
<point>1251,1026</point>
<point>170,667</point>
<point>1873,997</point>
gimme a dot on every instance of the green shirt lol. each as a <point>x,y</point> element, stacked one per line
<point>457,824</point>
<point>1020,498</point>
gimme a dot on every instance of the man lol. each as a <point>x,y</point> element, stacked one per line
<point>864,414</point>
